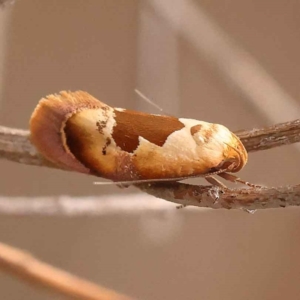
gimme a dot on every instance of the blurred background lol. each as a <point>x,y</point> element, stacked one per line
<point>231,62</point>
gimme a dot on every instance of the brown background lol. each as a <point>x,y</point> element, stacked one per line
<point>109,48</point>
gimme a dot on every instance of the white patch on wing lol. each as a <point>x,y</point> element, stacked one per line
<point>106,116</point>
<point>111,121</point>
<point>181,143</point>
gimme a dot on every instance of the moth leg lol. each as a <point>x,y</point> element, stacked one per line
<point>236,179</point>
<point>214,181</point>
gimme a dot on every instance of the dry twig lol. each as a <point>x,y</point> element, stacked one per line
<point>25,266</point>
<point>93,206</point>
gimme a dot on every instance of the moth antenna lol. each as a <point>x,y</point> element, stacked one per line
<point>137,181</point>
<point>148,100</point>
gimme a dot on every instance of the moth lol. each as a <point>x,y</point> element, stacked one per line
<point>78,132</point>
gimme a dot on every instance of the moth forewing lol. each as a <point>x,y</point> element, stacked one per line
<point>78,132</point>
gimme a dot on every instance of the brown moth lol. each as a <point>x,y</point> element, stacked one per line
<point>78,132</point>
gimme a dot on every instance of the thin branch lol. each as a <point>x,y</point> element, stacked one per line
<point>137,204</point>
<point>215,197</point>
<point>15,146</point>
<point>26,267</point>
<point>270,137</point>
<point>82,206</point>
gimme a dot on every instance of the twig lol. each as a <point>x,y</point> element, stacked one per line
<point>25,266</point>
<point>15,146</point>
<point>179,193</point>
<point>215,197</point>
<point>82,206</point>
<point>270,137</point>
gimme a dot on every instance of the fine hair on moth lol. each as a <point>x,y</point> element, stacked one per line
<point>77,132</point>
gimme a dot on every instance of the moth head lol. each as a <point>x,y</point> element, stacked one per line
<point>221,146</point>
<point>235,156</point>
